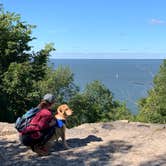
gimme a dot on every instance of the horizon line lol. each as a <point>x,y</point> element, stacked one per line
<point>107,58</point>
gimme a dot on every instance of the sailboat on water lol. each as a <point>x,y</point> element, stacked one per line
<point>117,76</point>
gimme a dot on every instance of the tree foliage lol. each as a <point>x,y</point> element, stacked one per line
<point>95,104</point>
<point>153,107</point>
<point>14,39</point>
<point>24,74</point>
<point>60,82</point>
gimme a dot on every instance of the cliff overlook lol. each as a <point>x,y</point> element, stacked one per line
<point>119,143</point>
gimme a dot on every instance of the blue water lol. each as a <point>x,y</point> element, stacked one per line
<point>129,80</point>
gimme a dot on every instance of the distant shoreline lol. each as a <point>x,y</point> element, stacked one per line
<point>103,59</point>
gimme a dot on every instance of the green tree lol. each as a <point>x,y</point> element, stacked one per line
<point>95,104</point>
<point>60,82</point>
<point>153,107</point>
<point>18,85</point>
<point>24,74</point>
<point>99,100</point>
<point>19,68</point>
<point>39,62</point>
<point>14,38</point>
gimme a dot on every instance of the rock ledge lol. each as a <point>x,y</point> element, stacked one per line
<point>119,143</point>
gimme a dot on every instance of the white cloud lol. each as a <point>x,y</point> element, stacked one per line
<point>155,21</point>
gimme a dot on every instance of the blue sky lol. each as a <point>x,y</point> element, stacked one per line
<point>96,28</point>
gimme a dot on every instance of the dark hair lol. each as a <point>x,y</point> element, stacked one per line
<point>44,104</point>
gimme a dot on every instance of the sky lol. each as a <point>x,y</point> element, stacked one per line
<point>113,29</point>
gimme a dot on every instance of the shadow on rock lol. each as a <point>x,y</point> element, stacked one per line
<point>103,155</point>
<point>77,142</point>
<point>99,155</point>
<point>158,161</point>
<point>9,150</point>
<point>13,153</point>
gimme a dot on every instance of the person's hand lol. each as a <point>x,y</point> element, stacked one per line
<point>52,123</point>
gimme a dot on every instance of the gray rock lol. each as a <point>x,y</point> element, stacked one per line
<point>100,144</point>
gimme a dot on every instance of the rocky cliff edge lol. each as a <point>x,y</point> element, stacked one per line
<point>119,143</point>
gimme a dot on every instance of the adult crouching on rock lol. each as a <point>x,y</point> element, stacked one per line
<point>41,127</point>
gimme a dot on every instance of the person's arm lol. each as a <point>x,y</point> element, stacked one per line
<point>46,119</point>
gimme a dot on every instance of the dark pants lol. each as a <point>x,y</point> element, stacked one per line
<point>27,140</point>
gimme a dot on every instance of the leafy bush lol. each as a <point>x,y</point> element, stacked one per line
<point>153,108</point>
<point>96,104</point>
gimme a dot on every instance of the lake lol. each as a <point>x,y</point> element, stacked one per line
<point>128,79</point>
